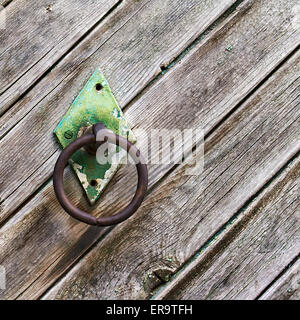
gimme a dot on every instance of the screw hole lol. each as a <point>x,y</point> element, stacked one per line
<point>93,183</point>
<point>68,134</point>
<point>99,87</point>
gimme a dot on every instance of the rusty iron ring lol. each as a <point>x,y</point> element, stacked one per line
<point>62,161</point>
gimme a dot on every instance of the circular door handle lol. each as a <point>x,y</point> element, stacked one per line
<point>105,135</point>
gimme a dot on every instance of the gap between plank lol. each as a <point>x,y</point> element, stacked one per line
<point>159,289</point>
<point>279,276</point>
<point>165,69</point>
<point>226,225</point>
<point>67,270</point>
<point>232,111</point>
<point>47,71</point>
<point>78,43</point>
<point>30,197</point>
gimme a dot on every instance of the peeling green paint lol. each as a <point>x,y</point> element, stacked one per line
<point>91,106</point>
<point>229,48</point>
<point>169,259</point>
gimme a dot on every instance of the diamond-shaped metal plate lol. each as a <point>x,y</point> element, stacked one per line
<point>95,103</point>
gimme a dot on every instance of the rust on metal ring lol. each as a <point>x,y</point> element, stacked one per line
<point>89,139</point>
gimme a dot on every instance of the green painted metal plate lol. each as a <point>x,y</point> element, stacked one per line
<point>95,103</point>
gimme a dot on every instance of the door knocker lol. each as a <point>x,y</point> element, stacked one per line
<point>95,107</point>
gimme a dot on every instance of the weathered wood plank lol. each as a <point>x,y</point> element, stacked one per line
<point>27,188</point>
<point>17,178</point>
<point>59,250</point>
<point>128,53</point>
<point>42,174</point>
<point>75,248</point>
<point>129,60</point>
<point>251,252</point>
<point>86,48</point>
<point>183,212</point>
<point>287,287</point>
<point>37,34</point>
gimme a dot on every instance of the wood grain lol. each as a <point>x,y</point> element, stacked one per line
<point>129,60</point>
<point>183,212</point>
<point>44,206</point>
<point>62,240</point>
<point>251,251</point>
<point>287,287</point>
<point>122,49</point>
<point>14,177</point>
<point>37,34</point>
